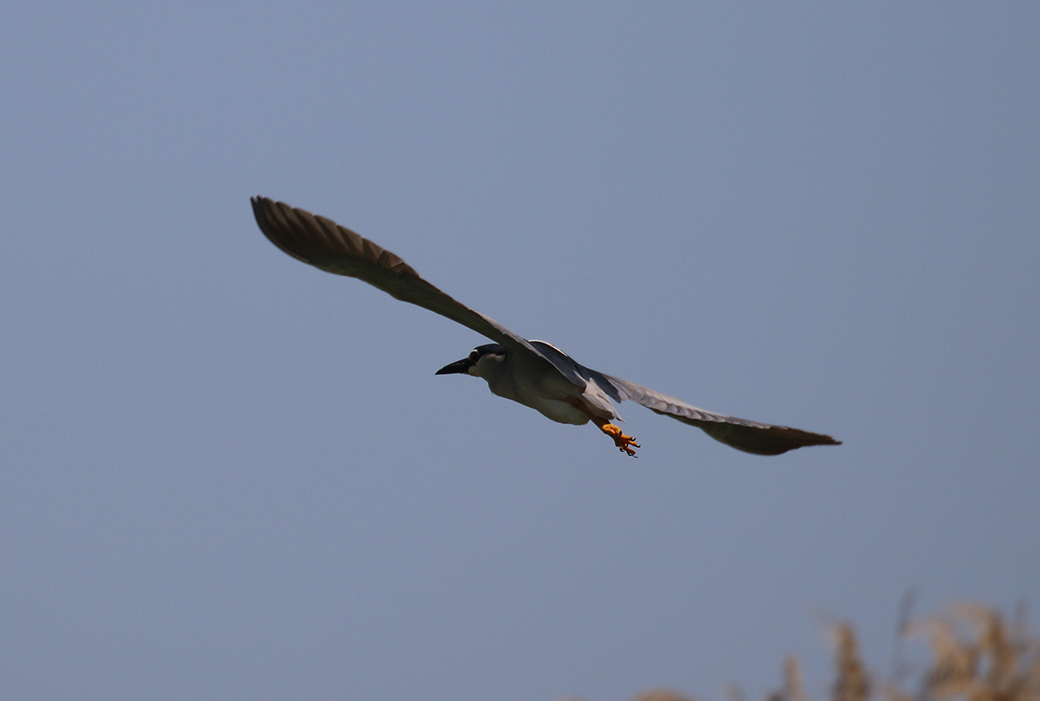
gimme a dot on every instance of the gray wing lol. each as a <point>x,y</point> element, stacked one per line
<point>336,249</point>
<point>749,436</point>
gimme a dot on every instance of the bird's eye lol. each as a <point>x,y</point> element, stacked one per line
<point>474,356</point>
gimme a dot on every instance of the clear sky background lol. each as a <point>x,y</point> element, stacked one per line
<point>225,474</point>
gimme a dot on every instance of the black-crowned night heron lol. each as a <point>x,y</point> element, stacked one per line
<point>532,373</point>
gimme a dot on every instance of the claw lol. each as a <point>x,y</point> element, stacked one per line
<point>623,442</point>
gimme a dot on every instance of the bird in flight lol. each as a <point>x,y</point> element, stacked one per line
<point>533,373</point>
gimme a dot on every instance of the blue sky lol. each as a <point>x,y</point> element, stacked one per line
<point>226,474</point>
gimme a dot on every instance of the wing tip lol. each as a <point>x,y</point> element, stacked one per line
<point>771,440</point>
<point>321,242</point>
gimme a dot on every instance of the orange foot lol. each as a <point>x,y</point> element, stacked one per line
<point>623,442</point>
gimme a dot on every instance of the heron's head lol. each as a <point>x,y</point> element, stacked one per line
<point>483,361</point>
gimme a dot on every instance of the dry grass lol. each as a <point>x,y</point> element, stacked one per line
<point>978,656</point>
<point>975,655</point>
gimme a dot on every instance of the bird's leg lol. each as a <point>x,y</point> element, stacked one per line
<point>623,442</point>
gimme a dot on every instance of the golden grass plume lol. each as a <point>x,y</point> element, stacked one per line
<point>975,655</point>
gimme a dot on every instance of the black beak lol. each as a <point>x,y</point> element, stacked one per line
<point>459,366</point>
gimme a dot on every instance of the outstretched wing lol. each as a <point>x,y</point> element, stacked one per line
<point>336,249</point>
<point>749,436</point>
